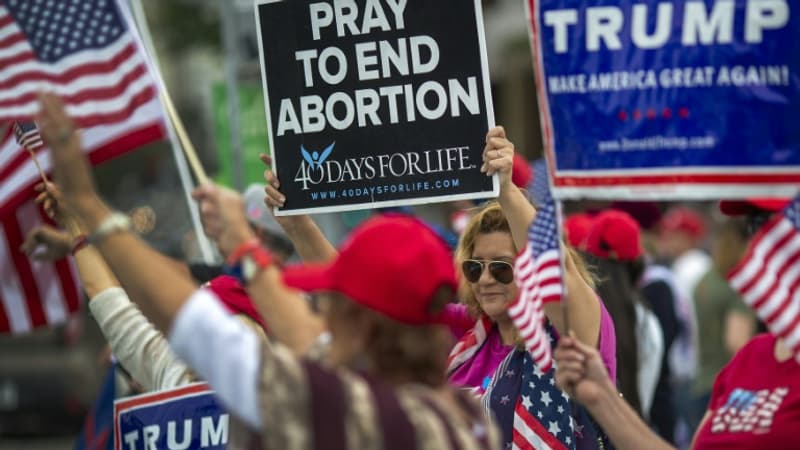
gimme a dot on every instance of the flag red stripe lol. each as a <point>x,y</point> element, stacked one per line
<point>19,159</point>
<point>113,148</point>
<point>19,58</point>
<point>121,114</point>
<point>103,93</point>
<point>66,275</point>
<point>143,97</point>
<point>89,68</point>
<point>69,288</point>
<point>534,425</point>
<point>742,175</point>
<point>33,299</point>
<point>11,39</point>
<point>5,326</point>
<point>793,288</point>
<point>791,327</point>
<point>750,253</point>
<point>761,301</point>
<point>762,267</point>
<point>521,442</point>
<point>6,20</point>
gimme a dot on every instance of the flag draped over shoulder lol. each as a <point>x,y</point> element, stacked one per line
<point>88,53</point>
<point>768,277</point>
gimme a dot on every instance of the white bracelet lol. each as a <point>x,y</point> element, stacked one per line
<point>114,223</point>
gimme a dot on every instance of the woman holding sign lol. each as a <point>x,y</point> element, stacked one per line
<point>485,255</point>
<point>490,357</point>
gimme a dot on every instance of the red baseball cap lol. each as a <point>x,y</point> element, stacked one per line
<point>614,235</point>
<point>742,207</point>
<point>235,298</point>
<point>577,228</point>
<point>682,219</point>
<point>390,264</point>
<point>521,173</point>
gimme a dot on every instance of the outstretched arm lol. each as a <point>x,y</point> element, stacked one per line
<point>584,307</point>
<point>580,372</point>
<point>307,238</point>
<point>141,349</point>
<point>288,316</point>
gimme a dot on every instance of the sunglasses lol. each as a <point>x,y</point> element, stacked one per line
<point>501,271</point>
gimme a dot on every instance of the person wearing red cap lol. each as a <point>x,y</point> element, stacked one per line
<point>615,252</point>
<point>755,400</point>
<point>681,232</point>
<point>659,291</point>
<point>576,229</point>
<point>385,385</point>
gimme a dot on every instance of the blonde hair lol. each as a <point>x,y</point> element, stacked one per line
<point>490,219</point>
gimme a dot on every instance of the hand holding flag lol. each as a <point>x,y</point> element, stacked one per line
<point>539,275</point>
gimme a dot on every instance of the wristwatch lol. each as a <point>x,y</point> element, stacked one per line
<point>114,223</point>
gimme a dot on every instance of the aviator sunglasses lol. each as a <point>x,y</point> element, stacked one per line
<point>501,271</point>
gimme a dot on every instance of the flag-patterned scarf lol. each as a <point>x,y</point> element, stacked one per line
<point>469,344</point>
<point>533,413</point>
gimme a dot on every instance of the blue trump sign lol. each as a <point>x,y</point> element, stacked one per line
<point>669,99</point>
<point>185,418</point>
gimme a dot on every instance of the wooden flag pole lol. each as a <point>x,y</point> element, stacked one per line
<point>38,166</point>
<point>177,135</point>
<point>186,143</point>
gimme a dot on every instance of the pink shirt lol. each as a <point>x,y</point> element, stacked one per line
<point>492,353</point>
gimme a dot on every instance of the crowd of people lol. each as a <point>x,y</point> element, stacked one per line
<point>394,340</point>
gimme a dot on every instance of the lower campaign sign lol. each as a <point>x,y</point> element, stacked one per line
<point>669,99</point>
<point>185,418</point>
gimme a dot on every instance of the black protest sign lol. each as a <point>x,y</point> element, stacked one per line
<point>374,103</point>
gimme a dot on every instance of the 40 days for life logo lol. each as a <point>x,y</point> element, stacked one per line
<point>316,168</point>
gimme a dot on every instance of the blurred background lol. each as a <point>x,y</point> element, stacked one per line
<point>208,55</point>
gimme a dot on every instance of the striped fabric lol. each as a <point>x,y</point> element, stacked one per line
<point>27,136</point>
<point>32,294</point>
<point>469,344</point>
<point>81,50</point>
<point>538,274</point>
<point>306,406</point>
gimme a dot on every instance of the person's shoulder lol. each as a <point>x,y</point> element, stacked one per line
<point>759,346</point>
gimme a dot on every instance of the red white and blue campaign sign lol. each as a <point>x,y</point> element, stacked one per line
<point>669,99</point>
<point>375,103</point>
<point>185,418</point>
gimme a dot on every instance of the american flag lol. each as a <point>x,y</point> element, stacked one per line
<point>540,186</point>
<point>27,135</point>
<point>538,271</point>
<point>32,293</point>
<point>86,52</point>
<point>81,50</point>
<point>532,412</point>
<point>768,277</point>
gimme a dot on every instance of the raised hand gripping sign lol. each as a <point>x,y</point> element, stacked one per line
<point>692,99</point>
<point>184,418</point>
<point>375,103</point>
